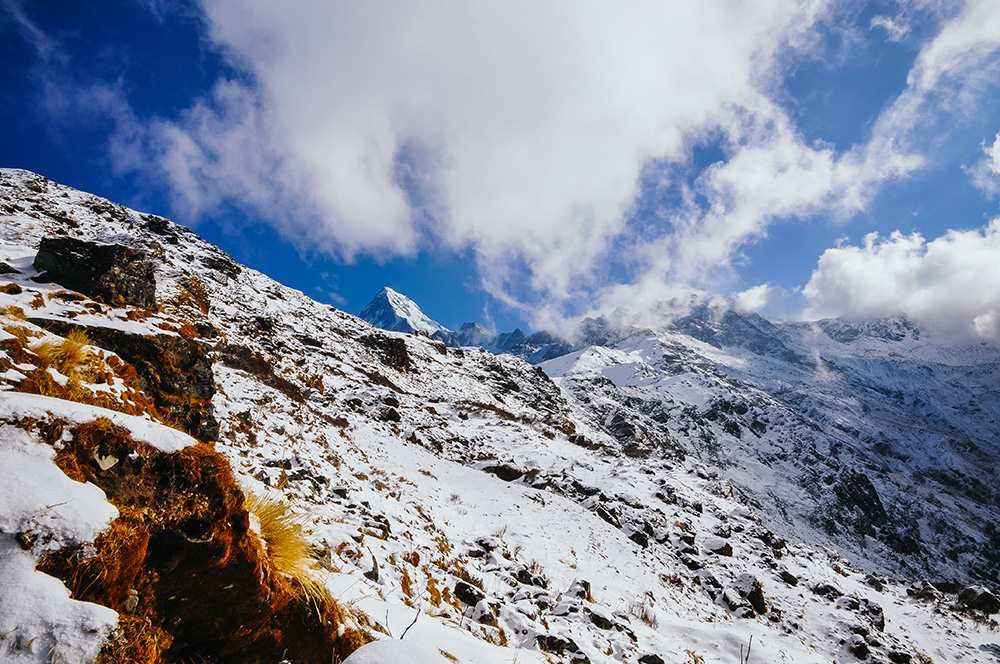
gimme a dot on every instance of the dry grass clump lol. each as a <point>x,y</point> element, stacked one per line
<point>284,538</point>
<point>70,356</point>
<point>11,311</point>
<point>135,640</point>
<point>641,610</point>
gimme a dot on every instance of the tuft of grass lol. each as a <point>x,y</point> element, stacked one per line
<point>70,356</point>
<point>284,537</point>
<point>135,640</point>
<point>641,610</point>
<point>17,313</point>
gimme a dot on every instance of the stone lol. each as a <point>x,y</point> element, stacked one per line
<point>116,274</point>
<point>718,546</point>
<point>977,598</point>
<point>468,593</point>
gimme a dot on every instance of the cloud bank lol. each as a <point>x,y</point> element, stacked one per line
<point>950,283</point>
<point>520,130</point>
<point>556,141</point>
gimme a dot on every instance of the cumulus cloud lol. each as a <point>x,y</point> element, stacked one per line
<point>521,130</point>
<point>527,132</point>
<point>764,299</point>
<point>950,283</point>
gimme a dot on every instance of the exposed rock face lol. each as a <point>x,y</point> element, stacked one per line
<point>116,274</point>
<point>175,374</point>
<point>203,588</point>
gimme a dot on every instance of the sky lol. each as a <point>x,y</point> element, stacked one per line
<point>525,163</point>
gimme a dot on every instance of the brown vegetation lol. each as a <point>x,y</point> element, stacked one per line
<point>207,589</point>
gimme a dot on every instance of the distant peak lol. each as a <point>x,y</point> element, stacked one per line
<point>391,310</point>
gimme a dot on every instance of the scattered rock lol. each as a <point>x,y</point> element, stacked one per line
<point>925,591</point>
<point>581,589</point>
<point>977,598</point>
<point>828,591</point>
<point>7,269</point>
<point>718,546</point>
<point>556,645</point>
<point>505,472</point>
<point>789,578</point>
<point>468,594</point>
<point>391,350</point>
<point>116,274</point>
<point>600,621</point>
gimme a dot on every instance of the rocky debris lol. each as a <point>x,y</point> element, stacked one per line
<point>255,364</point>
<point>745,597</point>
<point>828,591</point>
<point>505,472</point>
<point>468,593</point>
<point>718,546</point>
<point>7,269</point>
<point>925,591</point>
<point>788,577</point>
<point>857,494</point>
<point>559,645</point>
<point>115,274</point>
<point>391,350</point>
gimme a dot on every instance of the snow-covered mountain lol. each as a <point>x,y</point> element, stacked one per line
<point>872,435</point>
<point>393,311</point>
<point>696,490</point>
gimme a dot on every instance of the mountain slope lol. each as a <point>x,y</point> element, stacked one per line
<point>867,435</point>
<point>461,499</point>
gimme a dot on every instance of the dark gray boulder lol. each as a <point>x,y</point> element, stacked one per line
<point>116,274</point>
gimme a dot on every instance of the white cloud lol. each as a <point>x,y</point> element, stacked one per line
<point>985,173</point>
<point>951,283</point>
<point>522,130</point>
<point>763,299</point>
<point>526,126</point>
<point>894,27</point>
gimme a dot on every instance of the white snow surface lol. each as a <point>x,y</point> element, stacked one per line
<point>16,405</point>
<point>462,464</point>
<point>38,620</point>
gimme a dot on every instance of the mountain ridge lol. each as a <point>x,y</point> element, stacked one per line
<point>655,499</point>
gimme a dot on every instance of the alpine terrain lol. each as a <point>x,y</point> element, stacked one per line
<point>202,465</point>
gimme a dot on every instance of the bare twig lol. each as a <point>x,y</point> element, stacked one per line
<point>411,624</point>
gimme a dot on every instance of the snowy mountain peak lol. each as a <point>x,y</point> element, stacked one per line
<point>391,310</point>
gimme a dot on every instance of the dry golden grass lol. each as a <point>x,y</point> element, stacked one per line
<point>70,356</point>
<point>641,610</point>
<point>135,641</point>
<point>17,313</point>
<point>284,536</point>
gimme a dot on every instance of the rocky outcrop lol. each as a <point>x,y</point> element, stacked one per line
<point>174,373</point>
<point>115,274</point>
<point>181,563</point>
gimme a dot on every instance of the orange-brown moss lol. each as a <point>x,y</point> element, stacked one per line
<point>11,289</point>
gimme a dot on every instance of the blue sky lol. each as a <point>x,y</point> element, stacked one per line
<point>524,163</point>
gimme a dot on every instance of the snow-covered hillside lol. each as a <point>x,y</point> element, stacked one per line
<point>871,437</point>
<point>456,500</point>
